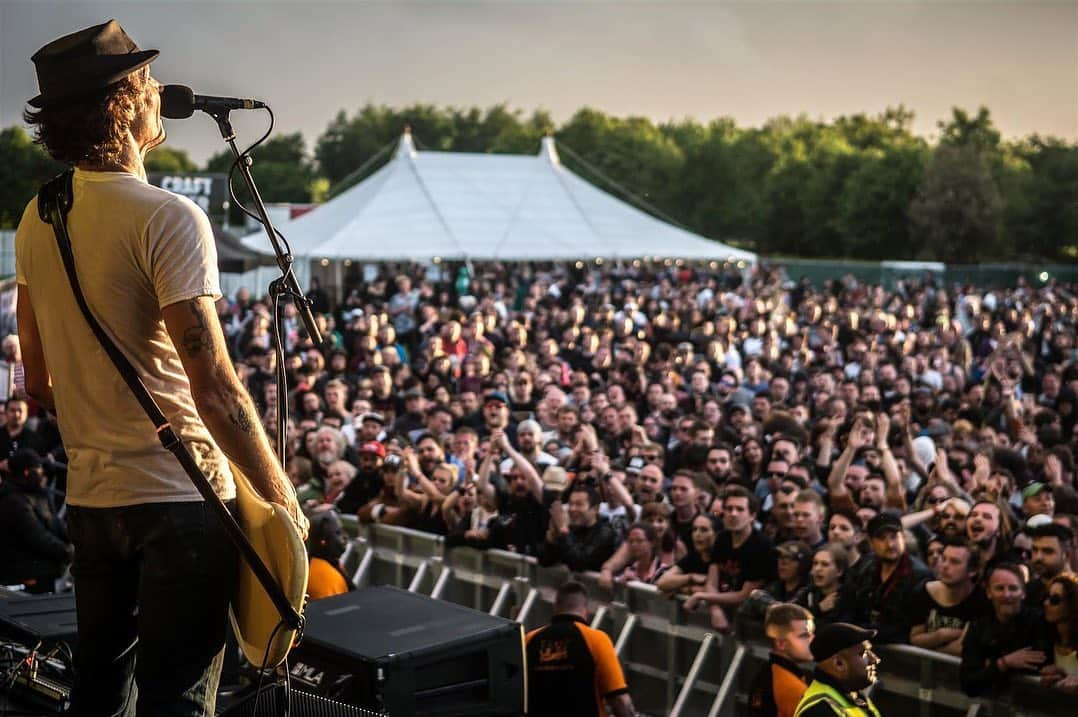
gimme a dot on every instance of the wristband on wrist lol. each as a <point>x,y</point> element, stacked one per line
<point>377,511</point>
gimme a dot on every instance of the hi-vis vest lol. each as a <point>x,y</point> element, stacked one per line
<point>839,703</point>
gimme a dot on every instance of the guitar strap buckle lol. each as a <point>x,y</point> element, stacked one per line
<point>168,437</point>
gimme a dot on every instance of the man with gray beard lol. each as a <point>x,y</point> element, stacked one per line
<point>329,445</point>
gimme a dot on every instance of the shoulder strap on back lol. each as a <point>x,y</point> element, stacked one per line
<point>55,194</point>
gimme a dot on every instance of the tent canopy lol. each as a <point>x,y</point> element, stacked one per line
<point>460,205</point>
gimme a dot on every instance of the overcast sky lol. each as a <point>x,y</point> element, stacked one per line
<point>747,60</point>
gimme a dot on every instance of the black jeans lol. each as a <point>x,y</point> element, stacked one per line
<point>152,589</point>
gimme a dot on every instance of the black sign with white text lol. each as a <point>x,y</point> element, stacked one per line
<point>208,191</point>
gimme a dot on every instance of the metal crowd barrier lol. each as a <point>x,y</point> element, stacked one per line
<point>675,663</point>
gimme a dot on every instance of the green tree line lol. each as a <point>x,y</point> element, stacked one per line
<point>859,187</point>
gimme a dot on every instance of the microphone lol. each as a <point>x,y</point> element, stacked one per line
<point>179,102</point>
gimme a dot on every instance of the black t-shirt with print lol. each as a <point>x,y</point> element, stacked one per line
<point>753,560</point>
<point>924,610</point>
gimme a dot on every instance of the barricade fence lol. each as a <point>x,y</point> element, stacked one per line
<point>675,663</point>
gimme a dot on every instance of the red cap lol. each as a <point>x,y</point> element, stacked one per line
<point>373,447</point>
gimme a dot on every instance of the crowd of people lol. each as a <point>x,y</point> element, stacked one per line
<point>900,458</point>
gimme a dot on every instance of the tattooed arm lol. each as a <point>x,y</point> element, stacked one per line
<point>223,403</point>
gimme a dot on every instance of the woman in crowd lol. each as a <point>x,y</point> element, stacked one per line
<point>794,561</point>
<point>933,554</point>
<point>1009,639</point>
<point>338,476</point>
<point>689,575</point>
<point>752,460</point>
<point>669,548</point>
<point>645,560</point>
<point>847,530</point>
<point>827,598</point>
<point>468,516</point>
<point>658,516</point>
<point>309,492</point>
<point>1061,614</point>
<point>429,500</point>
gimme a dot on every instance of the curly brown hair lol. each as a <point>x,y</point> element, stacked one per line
<point>93,126</point>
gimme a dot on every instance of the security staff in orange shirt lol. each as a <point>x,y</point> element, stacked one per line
<point>326,543</point>
<point>572,668</point>
<point>778,688</point>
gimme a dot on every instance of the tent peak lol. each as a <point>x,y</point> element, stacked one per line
<point>406,147</point>
<point>548,151</point>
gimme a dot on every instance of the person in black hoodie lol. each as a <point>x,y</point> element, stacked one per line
<point>1011,638</point>
<point>34,549</point>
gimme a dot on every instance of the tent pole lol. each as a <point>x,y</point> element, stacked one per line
<point>338,288</point>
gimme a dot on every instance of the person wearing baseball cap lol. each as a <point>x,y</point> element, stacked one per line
<point>34,549</point>
<point>371,427</point>
<point>1038,499</point>
<point>845,665</point>
<point>368,480</point>
<point>496,415</point>
<point>887,580</point>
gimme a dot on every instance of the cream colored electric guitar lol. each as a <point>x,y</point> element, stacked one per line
<point>275,539</point>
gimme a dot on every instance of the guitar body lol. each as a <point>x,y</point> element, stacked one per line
<point>276,540</point>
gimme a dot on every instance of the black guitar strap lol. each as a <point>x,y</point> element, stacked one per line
<point>54,201</point>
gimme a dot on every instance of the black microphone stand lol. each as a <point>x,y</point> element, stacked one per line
<point>284,285</point>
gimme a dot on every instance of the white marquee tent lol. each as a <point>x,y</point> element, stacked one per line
<point>465,206</point>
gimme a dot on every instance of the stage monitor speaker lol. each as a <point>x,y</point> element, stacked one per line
<point>37,636</point>
<point>275,700</point>
<point>392,651</point>
<point>33,618</point>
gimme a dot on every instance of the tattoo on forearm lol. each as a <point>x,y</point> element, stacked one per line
<point>241,420</point>
<point>240,410</point>
<point>195,338</point>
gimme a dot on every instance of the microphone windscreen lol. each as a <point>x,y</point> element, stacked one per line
<point>177,102</point>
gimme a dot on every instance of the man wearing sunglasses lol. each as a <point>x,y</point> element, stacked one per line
<point>777,468</point>
<point>1049,557</point>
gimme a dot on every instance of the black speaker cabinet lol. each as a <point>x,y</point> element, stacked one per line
<point>386,649</point>
<point>48,618</point>
<point>275,700</point>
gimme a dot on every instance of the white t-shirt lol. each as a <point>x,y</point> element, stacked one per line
<point>137,249</point>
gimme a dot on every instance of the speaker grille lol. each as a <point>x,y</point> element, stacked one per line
<point>272,701</point>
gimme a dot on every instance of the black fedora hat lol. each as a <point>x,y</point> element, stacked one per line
<point>86,61</point>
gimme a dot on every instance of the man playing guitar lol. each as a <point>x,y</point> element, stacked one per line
<point>153,567</point>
